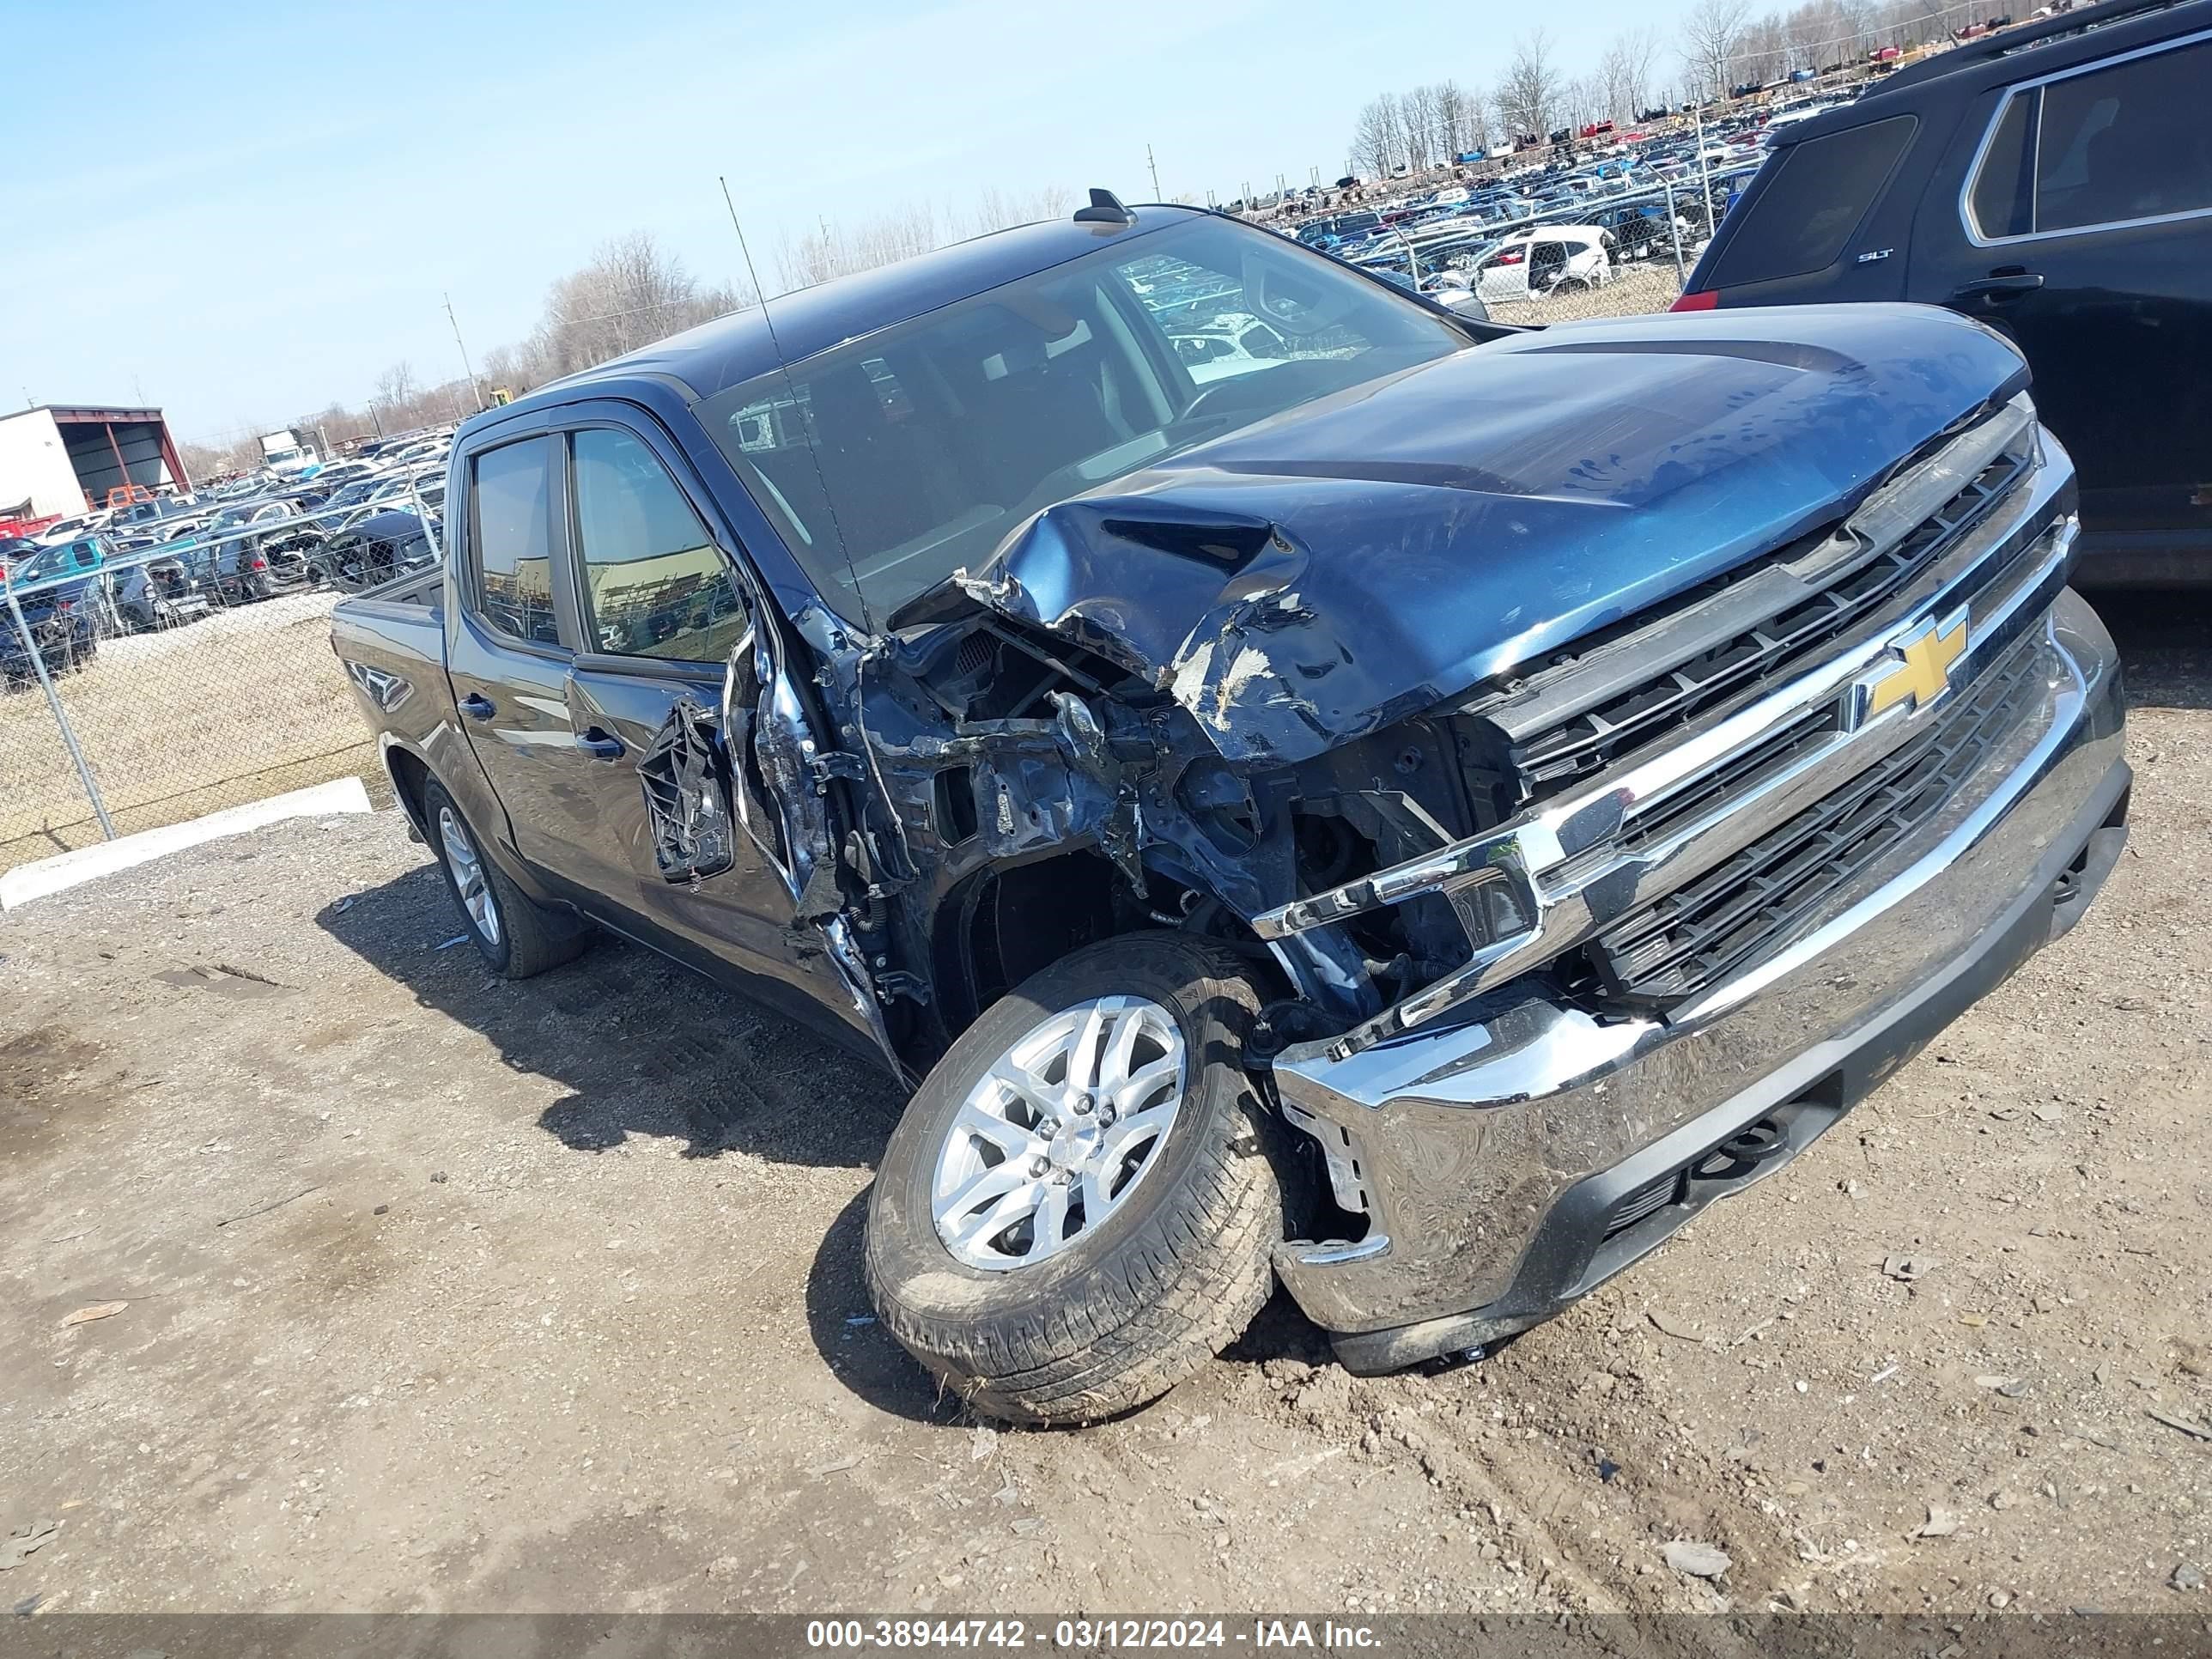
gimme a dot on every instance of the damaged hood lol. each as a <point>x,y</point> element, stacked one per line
<point>1357,560</point>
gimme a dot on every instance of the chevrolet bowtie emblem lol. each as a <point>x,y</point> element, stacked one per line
<point>1929,651</point>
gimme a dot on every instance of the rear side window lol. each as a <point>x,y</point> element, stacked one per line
<point>510,504</point>
<point>1820,190</point>
<point>2111,145</point>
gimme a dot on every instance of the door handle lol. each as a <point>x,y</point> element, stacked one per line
<point>1997,290</point>
<point>600,746</point>
<point>478,707</point>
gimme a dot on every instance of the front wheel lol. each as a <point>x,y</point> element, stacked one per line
<point>1077,1210</point>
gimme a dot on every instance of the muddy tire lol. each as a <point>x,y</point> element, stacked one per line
<point>1067,1280</point>
<point>516,936</point>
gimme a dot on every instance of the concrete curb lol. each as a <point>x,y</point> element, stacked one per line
<point>35,880</point>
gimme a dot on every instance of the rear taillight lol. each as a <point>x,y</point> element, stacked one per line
<point>258,563</point>
<point>1704,300</point>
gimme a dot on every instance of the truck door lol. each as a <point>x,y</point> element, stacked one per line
<point>507,646</point>
<point>2081,225</point>
<point>663,607</point>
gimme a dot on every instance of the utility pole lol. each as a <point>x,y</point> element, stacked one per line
<point>1155,167</point>
<point>465,368</point>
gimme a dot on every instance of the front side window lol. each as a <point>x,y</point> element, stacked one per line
<point>887,463</point>
<point>655,582</point>
<point>511,503</point>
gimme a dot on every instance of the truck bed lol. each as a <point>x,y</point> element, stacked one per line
<point>393,641</point>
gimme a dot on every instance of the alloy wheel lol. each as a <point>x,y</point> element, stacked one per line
<point>1059,1133</point>
<point>470,880</point>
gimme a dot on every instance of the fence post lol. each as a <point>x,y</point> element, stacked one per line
<point>61,718</point>
<point>1674,232</point>
<point>423,516</point>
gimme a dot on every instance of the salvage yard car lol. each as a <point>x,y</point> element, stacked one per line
<point>1530,264</point>
<point>1416,822</point>
<point>57,596</point>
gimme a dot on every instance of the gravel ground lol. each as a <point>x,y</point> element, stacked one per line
<point>438,1293</point>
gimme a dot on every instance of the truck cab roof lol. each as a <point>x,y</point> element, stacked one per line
<point>731,350</point>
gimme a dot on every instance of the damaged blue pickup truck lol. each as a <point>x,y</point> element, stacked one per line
<point>1413,811</point>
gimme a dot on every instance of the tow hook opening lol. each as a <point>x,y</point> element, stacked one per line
<point>1742,1151</point>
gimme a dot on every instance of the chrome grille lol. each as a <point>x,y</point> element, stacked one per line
<point>1724,922</point>
<point>1577,716</point>
<point>1710,846</point>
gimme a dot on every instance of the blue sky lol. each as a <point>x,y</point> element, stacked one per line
<point>239,213</point>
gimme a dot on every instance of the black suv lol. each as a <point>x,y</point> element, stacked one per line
<point>2053,180</point>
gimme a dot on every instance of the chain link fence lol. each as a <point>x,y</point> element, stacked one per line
<point>151,685</point>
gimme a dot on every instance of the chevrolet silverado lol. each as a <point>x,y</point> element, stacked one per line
<point>1414,820</point>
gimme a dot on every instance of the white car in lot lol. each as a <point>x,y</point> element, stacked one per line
<point>401,485</point>
<point>1545,259</point>
<point>1235,342</point>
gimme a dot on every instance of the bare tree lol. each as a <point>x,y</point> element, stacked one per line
<point>1761,54</point>
<point>1857,21</point>
<point>396,386</point>
<point>1529,95</point>
<point>1709,35</point>
<point>630,294</point>
<point>1417,107</point>
<point>997,208</point>
<point>833,249</point>
<point>1378,140</point>
<point>1625,73</point>
<point>1480,119</point>
<point>1458,120</point>
<point>1815,35</point>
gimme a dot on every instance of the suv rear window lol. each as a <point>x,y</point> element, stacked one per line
<point>1807,210</point>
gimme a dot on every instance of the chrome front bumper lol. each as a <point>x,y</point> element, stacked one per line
<point>1492,1144</point>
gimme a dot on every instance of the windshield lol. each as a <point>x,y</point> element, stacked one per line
<point>935,439</point>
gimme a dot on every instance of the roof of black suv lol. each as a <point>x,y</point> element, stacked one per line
<point>1892,93</point>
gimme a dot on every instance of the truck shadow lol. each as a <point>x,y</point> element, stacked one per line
<point>642,1047</point>
<point>857,1349</point>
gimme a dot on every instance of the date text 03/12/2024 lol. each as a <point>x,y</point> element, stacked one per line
<point>1086,1634</point>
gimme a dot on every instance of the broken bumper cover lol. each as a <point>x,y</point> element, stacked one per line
<point>1517,1151</point>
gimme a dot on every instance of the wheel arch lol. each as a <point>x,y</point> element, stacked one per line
<point>409,773</point>
<point>1001,923</point>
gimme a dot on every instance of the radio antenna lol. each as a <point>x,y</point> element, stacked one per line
<point>791,391</point>
<point>845,551</point>
<point>760,294</point>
